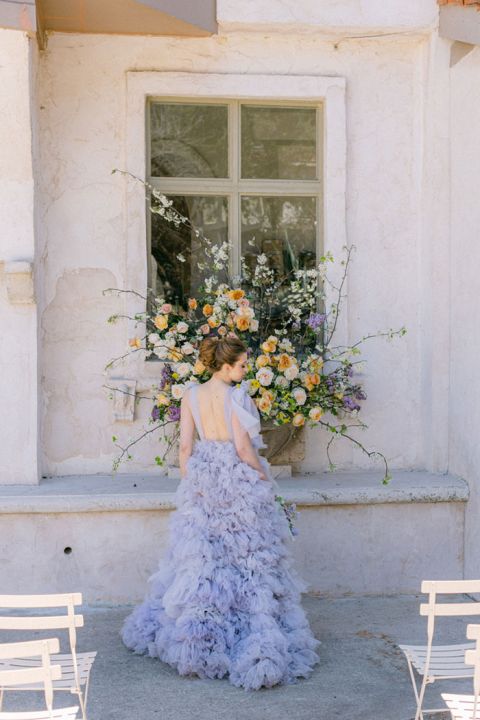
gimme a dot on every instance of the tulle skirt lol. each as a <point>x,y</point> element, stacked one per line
<point>226,600</point>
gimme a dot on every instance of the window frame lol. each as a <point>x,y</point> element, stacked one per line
<point>142,84</point>
<point>234,186</point>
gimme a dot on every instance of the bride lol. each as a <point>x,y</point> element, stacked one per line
<point>225,601</point>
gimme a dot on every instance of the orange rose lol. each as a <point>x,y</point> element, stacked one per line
<point>135,342</point>
<point>236,294</point>
<point>284,361</point>
<point>207,310</point>
<point>212,322</point>
<point>298,420</point>
<point>242,323</point>
<point>192,303</point>
<point>311,379</point>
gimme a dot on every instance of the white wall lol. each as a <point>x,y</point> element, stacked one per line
<point>464,413</point>
<point>18,322</point>
<point>83,240</point>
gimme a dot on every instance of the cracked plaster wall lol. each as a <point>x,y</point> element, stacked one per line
<point>82,240</point>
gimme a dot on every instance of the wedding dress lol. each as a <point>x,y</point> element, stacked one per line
<point>226,601</point>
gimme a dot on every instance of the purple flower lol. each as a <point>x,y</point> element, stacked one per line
<point>174,412</point>
<point>315,320</point>
<point>350,403</point>
<point>166,376</point>
<point>156,413</point>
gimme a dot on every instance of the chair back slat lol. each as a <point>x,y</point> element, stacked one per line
<point>29,648</point>
<point>450,609</point>
<point>43,622</point>
<point>40,601</point>
<point>473,632</point>
<point>28,676</point>
<point>450,586</point>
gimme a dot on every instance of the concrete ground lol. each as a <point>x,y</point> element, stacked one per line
<point>362,674</point>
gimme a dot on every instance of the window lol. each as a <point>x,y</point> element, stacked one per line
<point>250,172</point>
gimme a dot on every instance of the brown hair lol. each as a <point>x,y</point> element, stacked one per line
<point>215,351</point>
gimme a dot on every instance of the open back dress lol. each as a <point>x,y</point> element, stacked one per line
<point>226,601</point>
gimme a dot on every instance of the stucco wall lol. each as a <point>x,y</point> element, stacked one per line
<point>83,241</point>
<point>465,294</point>
<point>18,322</point>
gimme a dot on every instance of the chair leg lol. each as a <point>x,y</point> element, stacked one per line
<point>419,715</point>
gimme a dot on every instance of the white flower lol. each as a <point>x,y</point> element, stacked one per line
<point>262,259</point>
<point>182,327</point>
<point>291,372</point>
<point>281,381</point>
<point>170,342</point>
<point>161,351</point>
<point>187,348</point>
<point>178,390</point>
<point>254,325</point>
<point>264,376</point>
<point>286,345</point>
<point>300,396</point>
<point>183,369</point>
<point>153,339</point>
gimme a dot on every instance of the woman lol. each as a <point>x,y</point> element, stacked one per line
<point>225,601</point>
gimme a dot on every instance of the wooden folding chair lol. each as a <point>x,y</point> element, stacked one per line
<point>467,707</point>
<point>43,676</point>
<point>440,662</point>
<point>75,666</point>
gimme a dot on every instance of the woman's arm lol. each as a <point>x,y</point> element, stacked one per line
<point>244,447</point>
<point>187,428</point>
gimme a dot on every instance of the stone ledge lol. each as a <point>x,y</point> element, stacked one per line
<point>104,493</point>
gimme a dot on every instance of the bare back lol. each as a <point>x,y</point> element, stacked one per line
<point>211,411</point>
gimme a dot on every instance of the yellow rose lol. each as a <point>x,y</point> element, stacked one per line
<point>235,294</point>
<point>284,361</point>
<point>339,395</point>
<point>242,323</point>
<point>135,342</point>
<point>262,361</point>
<point>213,322</point>
<point>315,413</point>
<point>175,355</point>
<point>162,399</point>
<point>298,420</point>
<point>198,368</point>
<point>161,322</point>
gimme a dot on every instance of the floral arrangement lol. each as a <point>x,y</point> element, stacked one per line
<point>295,374</point>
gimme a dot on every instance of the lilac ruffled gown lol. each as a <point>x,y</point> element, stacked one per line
<point>226,601</point>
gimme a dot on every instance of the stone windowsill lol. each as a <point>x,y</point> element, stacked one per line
<point>104,493</point>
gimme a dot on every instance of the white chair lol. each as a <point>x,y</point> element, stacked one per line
<point>440,662</point>
<point>43,676</point>
<point>75,666</point>
<point>467,707</point>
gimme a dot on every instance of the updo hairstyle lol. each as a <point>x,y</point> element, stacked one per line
<point>215,351</point>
